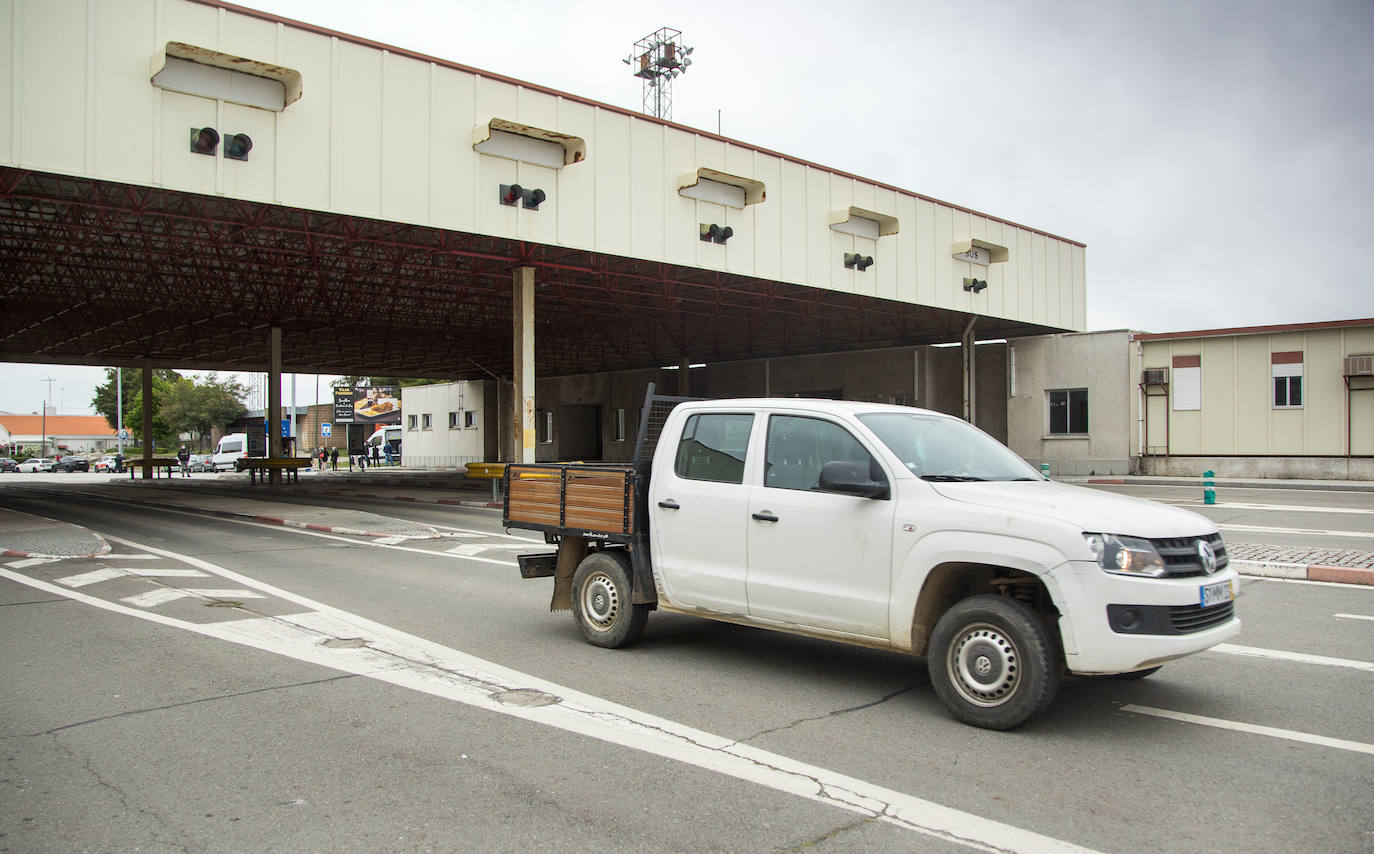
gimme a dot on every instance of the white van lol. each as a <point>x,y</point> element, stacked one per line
<point>390,433</point>
<point>230,453</point>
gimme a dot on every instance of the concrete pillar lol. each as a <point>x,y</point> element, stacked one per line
<point>147,426</point>
<point>970,372</point>
<point>684,378</point>
<point>273,414</point>
<point>523,348</point>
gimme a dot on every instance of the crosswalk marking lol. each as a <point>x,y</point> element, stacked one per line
<point>470,549</point>
<point>93,577</point>
<point>158,572</point>
<point>28,562</point>
<point>1300,657</point>
<point>153,598</point>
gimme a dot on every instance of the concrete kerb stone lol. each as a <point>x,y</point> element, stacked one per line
<point>1305,572</point>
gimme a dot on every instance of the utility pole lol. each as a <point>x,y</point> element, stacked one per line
<point>119,410</point>
<point>43,440</point>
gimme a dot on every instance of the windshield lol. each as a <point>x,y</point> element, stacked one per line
<point>946,449</point>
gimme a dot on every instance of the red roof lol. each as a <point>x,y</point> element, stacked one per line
<point>57,425</point>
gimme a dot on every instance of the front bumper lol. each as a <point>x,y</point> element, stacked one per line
<point>1168,622</point>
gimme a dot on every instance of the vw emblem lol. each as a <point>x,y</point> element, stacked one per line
<point>1207,556</point>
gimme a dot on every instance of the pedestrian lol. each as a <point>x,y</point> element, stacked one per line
<point>362,459</point>
<point>390,453</point>
<point>184,455</point>
<point>376,456</point>
<point>334,458</point>
<point>323,455</point>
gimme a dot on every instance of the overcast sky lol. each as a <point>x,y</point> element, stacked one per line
<point>1214,155</point>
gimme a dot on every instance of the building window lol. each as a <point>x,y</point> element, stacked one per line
<point>1187,383</point>
<point>618,428</point>
<point>470,419</point>
<point>1287,373</point>
<point>452,420</point>
<point>545,426</point>
<point>426,421</point>
<point>410,422</point>
<point>1068,412</point>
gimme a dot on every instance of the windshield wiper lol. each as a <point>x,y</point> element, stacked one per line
<point>951,478</point>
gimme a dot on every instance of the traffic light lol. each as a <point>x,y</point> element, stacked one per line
<point>855,261</point>
<point>204,141</point>
<point>713,233</point>
<point>237,146</point>
<point>511,193</point>
<point>975,285</point>
<point>533,198</point>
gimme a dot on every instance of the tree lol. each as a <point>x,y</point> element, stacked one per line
<point>403,382</point>
<point>105,403</point>
<point>197,408</point>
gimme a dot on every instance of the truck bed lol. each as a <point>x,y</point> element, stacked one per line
<point>580,499</point>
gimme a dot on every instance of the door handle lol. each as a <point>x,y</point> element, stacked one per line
<point>765,516</point>
<point>669,504</point>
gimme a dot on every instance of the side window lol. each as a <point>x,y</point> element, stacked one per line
<point>713,447</point>
<point>798,447</point>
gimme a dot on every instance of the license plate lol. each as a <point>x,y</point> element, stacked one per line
<point>1216,594</point>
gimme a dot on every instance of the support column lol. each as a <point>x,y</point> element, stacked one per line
<point>147,425</point>
<point>523,347</point>
<point>967,345</point>
<point>684,378</point>
<point>273,414</point>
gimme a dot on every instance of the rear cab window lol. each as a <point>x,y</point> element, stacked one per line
<point>713,447</point>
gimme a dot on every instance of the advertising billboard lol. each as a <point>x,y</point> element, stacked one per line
<point>367,405</point>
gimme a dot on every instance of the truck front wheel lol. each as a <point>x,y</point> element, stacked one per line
<point>602,601</point>
<point>992,663</point>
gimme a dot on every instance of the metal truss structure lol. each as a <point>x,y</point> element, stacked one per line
<point>110,274</point>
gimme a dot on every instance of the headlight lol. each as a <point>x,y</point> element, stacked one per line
<point>1126,555</point>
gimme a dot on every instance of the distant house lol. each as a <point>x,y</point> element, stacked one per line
<point>66,434</point>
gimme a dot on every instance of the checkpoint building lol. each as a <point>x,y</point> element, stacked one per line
<point>192,184</point>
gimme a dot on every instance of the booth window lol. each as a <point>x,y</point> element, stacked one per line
<point>1187,384</point>
<point>1068,412</point>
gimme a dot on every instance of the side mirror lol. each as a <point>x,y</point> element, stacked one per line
<point>849,478</point>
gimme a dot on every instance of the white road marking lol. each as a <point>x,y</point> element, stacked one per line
<point>390,541</point>
<point>158,572</point>
<point>1300,657</point>
<point>1328,584</point>
<point>470,549</point>
<point>226,593</point>
<point>1286,508</point>
<point>404,660</point>
<point>1273,732</point>
<point>153,598</point>
<point>1314,532</point>
<point>1354,617</point>
<point>30,561</point>
<point>93,577</point>
<point>132,557</point>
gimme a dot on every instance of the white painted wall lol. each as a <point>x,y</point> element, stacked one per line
<point>439,445</point>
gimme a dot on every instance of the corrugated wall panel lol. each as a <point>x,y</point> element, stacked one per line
<point>379,133</point>
<point>453,164</point>
<point>577,183</point>
<point>406,178</point>
<point>355,155</point>
<point>648,190</point>
<point>122,141</point>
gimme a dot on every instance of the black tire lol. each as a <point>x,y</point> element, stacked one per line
<point>992,663</point>
<point>602,601</point>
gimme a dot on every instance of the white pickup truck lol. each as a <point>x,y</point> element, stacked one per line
<point>883,526</point>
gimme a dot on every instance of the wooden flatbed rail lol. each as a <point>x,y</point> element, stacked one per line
<point>572,498</point>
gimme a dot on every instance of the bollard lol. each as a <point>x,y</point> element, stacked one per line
<point>1045,470</point>
<point>1209,487</point>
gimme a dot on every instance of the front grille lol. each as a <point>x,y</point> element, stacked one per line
<point>1181,558</point>
<point>1187,619</point>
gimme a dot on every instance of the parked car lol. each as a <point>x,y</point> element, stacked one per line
<point>7,464</point>
<point>71,464</point>
<point>36,464</point>
<point>106,464</point>
<point>201,462</point>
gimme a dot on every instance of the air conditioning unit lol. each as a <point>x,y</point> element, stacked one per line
<point>1359,366</point>
<point>1156,376</point>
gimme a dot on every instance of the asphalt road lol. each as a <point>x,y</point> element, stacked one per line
<point>135,716</point>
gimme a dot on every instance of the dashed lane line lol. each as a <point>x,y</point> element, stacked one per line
<point>388,655</point>
<point>1314,532</point>
<point>1354,617</point>
<point>1300,657</point>
<point>1254,729</point>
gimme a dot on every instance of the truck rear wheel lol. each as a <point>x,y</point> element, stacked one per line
<point>602,601</point>
<point>992,663</point>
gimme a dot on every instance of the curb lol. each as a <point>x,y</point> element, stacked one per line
<point>1305,572</point>
<point>100,552</point>
<point>410,499</point>
<point>275,520</point>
